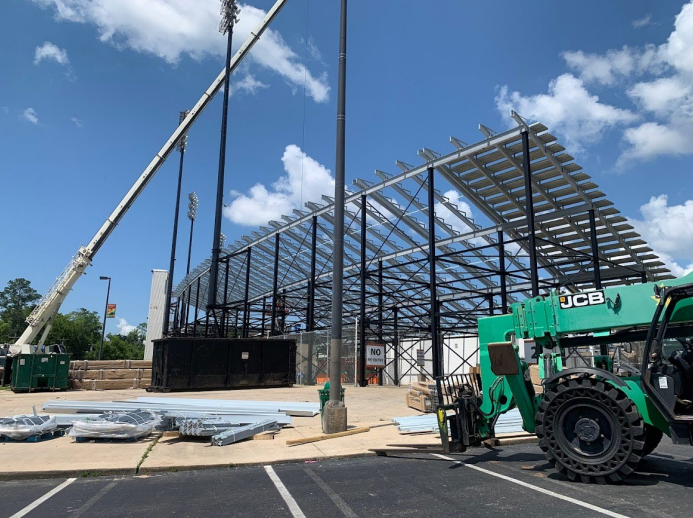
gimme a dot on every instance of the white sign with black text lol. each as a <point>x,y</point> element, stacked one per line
<point>375,355</point>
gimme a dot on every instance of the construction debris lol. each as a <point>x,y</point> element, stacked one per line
<point>422,396</point>
<point>317,438</point>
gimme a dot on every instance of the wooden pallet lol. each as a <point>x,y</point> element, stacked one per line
<point>106,439</point>
<point>53,434</point>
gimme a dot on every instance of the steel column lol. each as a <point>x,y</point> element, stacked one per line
<point>529,210</point>
<point>362,295</point>
<point>595,250</point>
<point>197,304</point>
<point>380,316</point>
<point>502,273</point>
<point>224,330</point>
<point>246,305</point>
<point>262,324</point>
<point>273,324</point>
<point>310,322</point>
<point>436,348</point>
<point>395,343</point>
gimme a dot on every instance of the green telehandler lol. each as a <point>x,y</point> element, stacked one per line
<point>594,421</point>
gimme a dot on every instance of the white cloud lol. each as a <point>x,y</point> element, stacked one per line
<point>614,65</point>
<point>123,327</point>
<point>567,108</point>
<point>248,84</point>
<point>668,229</point>
<point>642,22</point>
<point>170,29</point>
<point>656,78</point>
<point>49,51</point>
<point>78,122</point>
<point>30,115</point>
<point>305,180</point>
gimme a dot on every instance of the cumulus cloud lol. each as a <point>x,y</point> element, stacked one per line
<point>305,180</point>
<point>657,80</point>
<point>614,65</point>
<point>30,115</point>
<point>668,229</point>
<point>50,52</point>
<point>568,108</point>
<point>123,327</point>
<point>170,29</point>
<point>248,84</point>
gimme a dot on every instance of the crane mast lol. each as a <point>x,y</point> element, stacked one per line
<point>49,305</point>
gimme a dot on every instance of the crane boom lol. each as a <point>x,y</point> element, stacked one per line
<point>49,305</point>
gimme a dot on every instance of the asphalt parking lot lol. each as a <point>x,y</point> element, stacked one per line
<point>514,480</point>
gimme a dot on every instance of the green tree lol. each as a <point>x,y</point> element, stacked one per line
<point>79,331</point>
<point>123,347</point>
<point>16,302</point>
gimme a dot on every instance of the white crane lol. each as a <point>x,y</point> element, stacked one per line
<point>42,316</point>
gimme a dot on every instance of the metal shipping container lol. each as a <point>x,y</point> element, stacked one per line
<point>31,372</point>
<point>181,363</point>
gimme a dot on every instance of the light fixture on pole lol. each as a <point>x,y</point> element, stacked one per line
<point>229,12</point>
<point>182,144</point>
<point>105,312</point>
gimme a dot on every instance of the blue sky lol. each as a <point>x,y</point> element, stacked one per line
<point>91,89</point>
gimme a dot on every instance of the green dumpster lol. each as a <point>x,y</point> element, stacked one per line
<point>34,372</point>
<point>324,394</point>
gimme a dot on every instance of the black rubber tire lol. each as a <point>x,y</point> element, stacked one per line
<point>653,436</point>
<point>619,443</point>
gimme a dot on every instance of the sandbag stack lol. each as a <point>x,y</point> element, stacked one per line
<point>110,374</point>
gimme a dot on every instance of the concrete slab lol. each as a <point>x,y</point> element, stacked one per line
<point>368,406</point>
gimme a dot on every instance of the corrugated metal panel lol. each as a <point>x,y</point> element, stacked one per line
<point>157,305</point>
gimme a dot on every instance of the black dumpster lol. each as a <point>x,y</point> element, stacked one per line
<point>181,363</point>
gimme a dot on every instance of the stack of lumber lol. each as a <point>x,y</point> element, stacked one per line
<point>536,380</point>
<point>110,374</point>
<point>422,396</point>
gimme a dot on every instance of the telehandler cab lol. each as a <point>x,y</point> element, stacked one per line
<point>594,421</point>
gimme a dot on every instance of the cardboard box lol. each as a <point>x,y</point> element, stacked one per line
<point>534,374</point>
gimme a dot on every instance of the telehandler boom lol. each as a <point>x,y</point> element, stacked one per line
<point>597,420</point>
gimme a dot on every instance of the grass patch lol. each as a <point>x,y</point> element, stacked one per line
<point>89,474</point>
<point>146,454</point>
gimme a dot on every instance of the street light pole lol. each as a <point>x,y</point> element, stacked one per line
<point>105,312</point>
<point>229,10</point>
<point>169,284</point>
<point>192,215</point>
<point>335,415</point>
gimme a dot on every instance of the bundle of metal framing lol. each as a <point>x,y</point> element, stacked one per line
<point>172,420</point>
<point>510,422</point>
<point>233,435</point>
<point>171,405</point>
<point>204,427</point>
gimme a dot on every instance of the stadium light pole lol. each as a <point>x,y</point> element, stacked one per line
<point>105,312</point>
<point>229,12</point>
<point>335,414</point>
<point>174,240</point>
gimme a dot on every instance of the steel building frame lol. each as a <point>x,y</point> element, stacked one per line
<point>409,270</point>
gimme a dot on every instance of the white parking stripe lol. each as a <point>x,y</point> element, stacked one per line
<point>90,503</point>
<point>293,506</point>
<point>45,497</point>
<point>535,488</point>
<point>338,500</point>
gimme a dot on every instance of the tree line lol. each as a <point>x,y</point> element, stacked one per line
<point>79,331</point>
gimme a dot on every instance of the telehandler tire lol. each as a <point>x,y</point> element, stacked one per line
<point>653,437</point>
<point>590,431</point>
